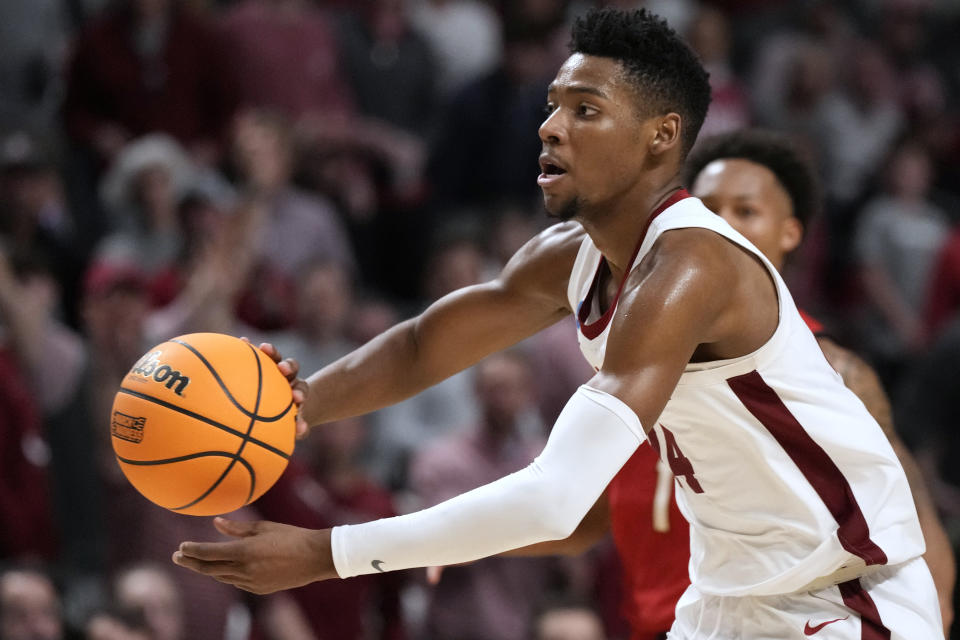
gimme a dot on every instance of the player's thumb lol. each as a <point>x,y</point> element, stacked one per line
<point>235,528</point>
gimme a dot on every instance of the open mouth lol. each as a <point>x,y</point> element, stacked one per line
<point>551,172</point>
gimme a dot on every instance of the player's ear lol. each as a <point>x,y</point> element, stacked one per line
<point>666,135</point>
<point>791,234</point>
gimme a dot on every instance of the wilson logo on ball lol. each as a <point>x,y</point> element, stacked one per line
<point>149,366</point>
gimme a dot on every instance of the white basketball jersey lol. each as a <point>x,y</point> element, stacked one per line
<point>785,476</point>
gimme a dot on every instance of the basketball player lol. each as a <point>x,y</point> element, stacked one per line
<point>796,524</point>
<point>759,183</point>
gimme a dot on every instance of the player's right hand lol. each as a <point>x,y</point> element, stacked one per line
<point>290,368</point>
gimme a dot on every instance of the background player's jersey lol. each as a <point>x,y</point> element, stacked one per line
<point>653,542</point>
<point>786,477</point>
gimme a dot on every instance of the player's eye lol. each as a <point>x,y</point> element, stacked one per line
<point>586,110</point>
<point>548,108</point>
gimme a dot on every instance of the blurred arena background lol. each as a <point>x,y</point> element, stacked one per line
<point>310,171</point>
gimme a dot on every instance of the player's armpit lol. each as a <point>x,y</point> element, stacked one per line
<point>452,334</point>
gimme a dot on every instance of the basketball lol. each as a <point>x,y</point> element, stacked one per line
<point>203,424</point>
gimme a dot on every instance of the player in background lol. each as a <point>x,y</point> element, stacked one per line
<point>699,350</point>
<point>762,185</point>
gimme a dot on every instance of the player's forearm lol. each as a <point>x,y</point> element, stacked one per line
<point>454,333</point>
<point>380,373</point>
<point>545,501</point>
<point>888,300</point>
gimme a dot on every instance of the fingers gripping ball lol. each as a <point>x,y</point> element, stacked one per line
<point>203,424</point>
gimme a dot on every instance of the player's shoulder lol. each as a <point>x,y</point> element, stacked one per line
<point>544,263</point>
<point>553,249</point>
<point>691,252</point>
<point>562,239</point>
<point>851,367</point>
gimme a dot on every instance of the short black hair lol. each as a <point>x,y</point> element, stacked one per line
<point>665,70</point>
<point>778,153</point>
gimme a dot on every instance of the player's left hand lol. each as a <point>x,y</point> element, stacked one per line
<point>290,369</point>
<point>265,557</point>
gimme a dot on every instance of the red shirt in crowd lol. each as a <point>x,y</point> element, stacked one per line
<point>26,527</point>
<point>184,90</point>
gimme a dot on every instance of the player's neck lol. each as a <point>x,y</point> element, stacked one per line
<point>616,230</point>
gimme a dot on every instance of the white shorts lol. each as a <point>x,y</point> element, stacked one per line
<point>893,603</point>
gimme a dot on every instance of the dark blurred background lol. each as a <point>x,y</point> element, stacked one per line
<point>309,172</point>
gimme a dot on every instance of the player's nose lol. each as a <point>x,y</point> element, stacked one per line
<point>553,129</point>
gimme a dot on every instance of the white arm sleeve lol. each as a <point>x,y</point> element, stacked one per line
<point>594,436</point>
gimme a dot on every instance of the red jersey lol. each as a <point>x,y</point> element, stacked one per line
<point>652,538</point>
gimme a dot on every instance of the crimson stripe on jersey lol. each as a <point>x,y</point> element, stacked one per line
<point>857,598</point>
<point>814,463</point>
<point>595,328</point>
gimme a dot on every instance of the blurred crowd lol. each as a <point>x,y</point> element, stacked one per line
<point>309,172</point>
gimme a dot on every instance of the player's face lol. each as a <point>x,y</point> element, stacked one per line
<point>749,197</point>
<point>592,137</point>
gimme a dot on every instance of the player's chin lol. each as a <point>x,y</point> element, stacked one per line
<point>554,206</point>
<point>559,208</point>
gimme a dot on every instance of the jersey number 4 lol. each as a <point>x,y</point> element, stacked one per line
<point>679,464</point>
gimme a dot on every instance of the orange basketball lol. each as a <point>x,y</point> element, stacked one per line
<point>203,424</point>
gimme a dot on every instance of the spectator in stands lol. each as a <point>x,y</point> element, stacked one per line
<point>291,228</point>
<point>788,78</point>
<point>141,192</point>
<point>370,316</point>
<point>148,66</point>
<point>859,123</point>
<point>710,38</point>
<point>117,623</point>
<point>29,606</point>
<point>140,67</point>
<point>285,57</point>
<point>568,621</point>
<point>25,511</point>
<point>52,360</point>
<point>115,306</point>
<point>299,226</point>
<point>943,297</point>
<point>214,286</point>
<point>382,55</point>
<point>324,304</point>
<point>491,599</point>
<point>896,243</point>
<point>499,114</point>
<point>151,590</point>
<point>34,216</point>
<point>465,36</point>
<point>289,60</point>
<point>33,36</point>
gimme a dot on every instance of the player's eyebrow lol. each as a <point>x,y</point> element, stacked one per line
<point>577,88</point>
